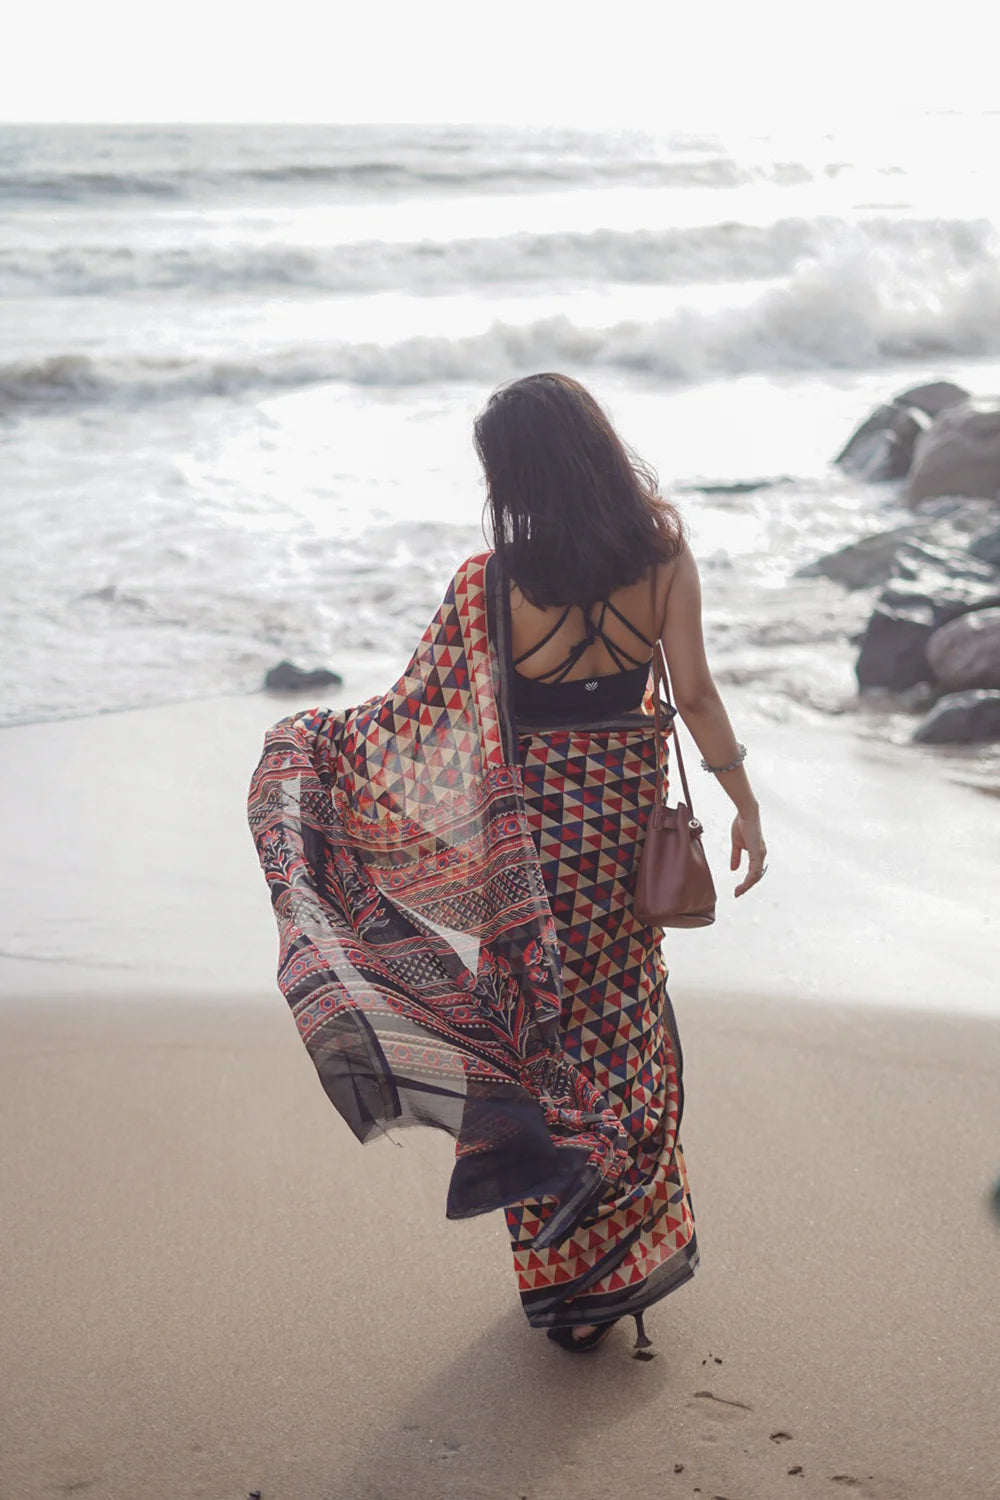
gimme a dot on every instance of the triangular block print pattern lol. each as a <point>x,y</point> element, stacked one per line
<point>587,794</point>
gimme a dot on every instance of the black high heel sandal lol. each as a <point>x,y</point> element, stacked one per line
<point>563,1336</point>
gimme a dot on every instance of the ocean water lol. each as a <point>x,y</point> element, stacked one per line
<point>239,367</point>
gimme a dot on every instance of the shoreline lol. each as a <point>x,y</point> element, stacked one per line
<point>135,872</point>
<point>875,721</point>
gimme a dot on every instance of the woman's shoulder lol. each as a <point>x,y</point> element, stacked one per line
<point>663,573</point>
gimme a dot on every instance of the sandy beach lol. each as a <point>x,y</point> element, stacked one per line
<point>208,1288</point>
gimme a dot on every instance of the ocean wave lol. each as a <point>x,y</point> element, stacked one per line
<point>847,309</point>
<point>730,251</point>
<point>74,185</point>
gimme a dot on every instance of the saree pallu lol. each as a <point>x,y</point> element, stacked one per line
<point>433,983</point>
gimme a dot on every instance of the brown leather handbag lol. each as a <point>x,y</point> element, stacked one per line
<point>674,886</point>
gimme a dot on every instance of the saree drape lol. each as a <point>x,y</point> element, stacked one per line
<point>425,954</point>
<point>588,791</point>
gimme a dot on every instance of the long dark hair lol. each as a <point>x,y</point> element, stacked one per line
<point>575,513</point>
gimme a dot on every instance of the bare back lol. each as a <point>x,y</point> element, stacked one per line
<point>628,630</point>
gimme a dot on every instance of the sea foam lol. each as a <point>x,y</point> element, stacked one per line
<point>852,307</point>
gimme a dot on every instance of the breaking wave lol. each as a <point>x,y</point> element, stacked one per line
<point>845,310</point>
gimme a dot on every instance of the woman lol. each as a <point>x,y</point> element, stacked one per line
<point>451,866</point>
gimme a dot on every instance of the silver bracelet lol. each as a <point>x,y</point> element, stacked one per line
<point>733,765</point>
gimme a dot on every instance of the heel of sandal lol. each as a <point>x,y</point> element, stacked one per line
<point>643,1347</point>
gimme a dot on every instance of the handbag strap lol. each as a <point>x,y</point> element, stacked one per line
<point>662,676</point>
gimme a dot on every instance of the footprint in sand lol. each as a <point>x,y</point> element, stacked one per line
<point>862,1488</point>
<point>718,1409</point>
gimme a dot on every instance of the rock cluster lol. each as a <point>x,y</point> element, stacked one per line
<point>936,621</point>
<point>883,447</point>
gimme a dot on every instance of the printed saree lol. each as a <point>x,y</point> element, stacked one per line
<point>458,949</point>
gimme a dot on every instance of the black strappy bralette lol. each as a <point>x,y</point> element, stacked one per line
<point>549,699</point>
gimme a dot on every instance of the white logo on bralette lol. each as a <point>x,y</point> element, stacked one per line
<point>590,687</point>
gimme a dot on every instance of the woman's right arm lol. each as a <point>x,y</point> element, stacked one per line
<point>703,711</point>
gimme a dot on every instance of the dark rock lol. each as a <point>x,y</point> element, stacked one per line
<point>961,719</point>
<point>882,447</point>
<point>893,651</point>
<point>953,524</point>
<point>966,652</point>
<point>944,573</point>
<point>930,586</point>
<point>933,397</point>
<point>287,678</point>
<point>734,487</point>
<point>959,454</point>
<point>862,564</point>
<point>986,547</point>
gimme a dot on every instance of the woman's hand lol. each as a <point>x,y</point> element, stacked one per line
<point>748,839</point>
